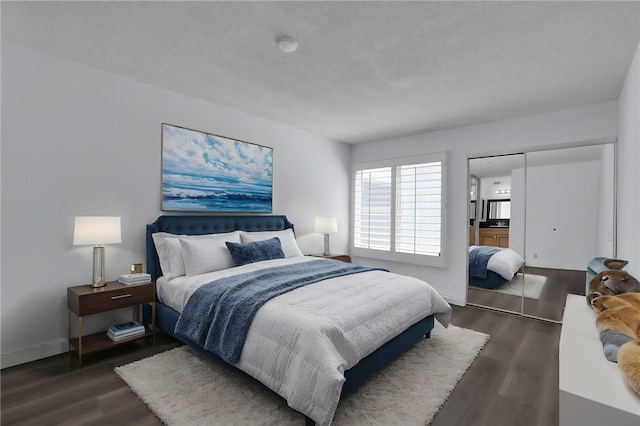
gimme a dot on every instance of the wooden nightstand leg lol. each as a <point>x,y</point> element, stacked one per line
<point>69,330</point>
<point>79,340</point>
<point>153,320</point>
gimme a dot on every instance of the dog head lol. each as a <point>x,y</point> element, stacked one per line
<point>611,282</point>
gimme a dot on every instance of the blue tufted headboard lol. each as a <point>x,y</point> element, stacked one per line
<point>199,225</point>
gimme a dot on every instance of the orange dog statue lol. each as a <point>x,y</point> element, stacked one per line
<point>612,281</point>
<point>618,321</point>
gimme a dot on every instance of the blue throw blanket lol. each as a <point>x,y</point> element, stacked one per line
<point>478,259</point>
<point>217,316</point>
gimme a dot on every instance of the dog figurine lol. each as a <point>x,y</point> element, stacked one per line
<point>620,313</point>
<point>612,281</point>
<point>629,362</point>
<point>618,322</point>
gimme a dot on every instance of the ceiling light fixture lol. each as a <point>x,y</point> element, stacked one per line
<point>287,44</point>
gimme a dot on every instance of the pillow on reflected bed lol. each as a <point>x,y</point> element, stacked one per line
<point>505,263</point>
<point>255,251</point>
<point>286,236</point>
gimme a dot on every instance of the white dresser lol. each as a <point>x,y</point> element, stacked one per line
<point>592,390</point>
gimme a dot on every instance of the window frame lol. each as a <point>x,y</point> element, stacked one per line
<point>392,255</point>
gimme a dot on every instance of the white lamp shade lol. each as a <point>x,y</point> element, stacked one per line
<point>95,230</point>
<point>326,225</point>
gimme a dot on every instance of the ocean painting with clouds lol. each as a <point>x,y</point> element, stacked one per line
<point>206,172</point>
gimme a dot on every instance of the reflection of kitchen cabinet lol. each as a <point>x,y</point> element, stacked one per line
<point>497,237</point>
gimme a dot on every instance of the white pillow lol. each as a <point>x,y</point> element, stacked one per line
<point>174,256</point>
<point>161,249</point>
<point>170,251</point>
<point>505,263</point>
<point>207,254</point>
<point>287,240</point>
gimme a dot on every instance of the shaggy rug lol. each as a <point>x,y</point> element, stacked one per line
<point>532,286</point>
<point>183,387</point>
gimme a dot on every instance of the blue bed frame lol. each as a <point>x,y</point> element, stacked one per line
<point>166,317</point>
<point>492,281</point>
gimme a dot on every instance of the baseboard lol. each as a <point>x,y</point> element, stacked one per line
<point>454,300</point>
<point>51,348</point>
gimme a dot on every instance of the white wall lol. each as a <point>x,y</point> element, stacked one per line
<point>77,141</point>
<point>629,169</point>
<point>550,129</point>
<point>562,218</point>
<point>606,199</point>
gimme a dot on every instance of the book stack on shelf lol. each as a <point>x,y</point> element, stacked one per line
<point>125,331</point>
<point>132,279</point>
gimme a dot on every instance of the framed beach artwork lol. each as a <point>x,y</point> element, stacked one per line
<point>203,172</point>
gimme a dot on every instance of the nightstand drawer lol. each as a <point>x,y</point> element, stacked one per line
<point>93,301</point>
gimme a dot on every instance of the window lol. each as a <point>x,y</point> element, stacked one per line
<point>398,210</point>
<point>373,209</point>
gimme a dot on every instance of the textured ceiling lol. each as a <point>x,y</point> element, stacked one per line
<point>363,70</point>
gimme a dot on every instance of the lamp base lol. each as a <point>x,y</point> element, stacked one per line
<point>327,252</point>
<point>98,267</point>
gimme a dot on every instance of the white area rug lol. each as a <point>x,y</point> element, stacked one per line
<point>184,388</point>
<point>531,284</point>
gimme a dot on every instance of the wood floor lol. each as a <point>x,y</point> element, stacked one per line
<point>514,381</point>
<point>560,282</point>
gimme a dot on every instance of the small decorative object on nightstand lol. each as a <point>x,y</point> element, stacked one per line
<point>136,268</point>
<point>84,300</point>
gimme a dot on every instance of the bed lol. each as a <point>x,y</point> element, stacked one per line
<point>342,364</point>
<point>491,267</point>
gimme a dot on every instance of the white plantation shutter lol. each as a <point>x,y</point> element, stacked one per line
<point>418,208</point>
<point>398,210</point>
<point>372,224</point>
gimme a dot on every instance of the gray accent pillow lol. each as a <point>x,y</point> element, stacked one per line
<point>256,251</point>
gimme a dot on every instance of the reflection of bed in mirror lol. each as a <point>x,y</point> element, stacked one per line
<point>491,267</point>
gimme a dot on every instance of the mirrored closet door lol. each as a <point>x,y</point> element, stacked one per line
<point>554,209</point>
<point>497,193</point>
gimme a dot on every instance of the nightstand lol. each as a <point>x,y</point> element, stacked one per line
<point>340,257</point>
<point>84,300</point>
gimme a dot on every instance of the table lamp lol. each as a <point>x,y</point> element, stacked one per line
<point>326,226</point>
<point>96,231</point>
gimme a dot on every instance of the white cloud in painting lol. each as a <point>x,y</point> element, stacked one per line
<point>199,161</point>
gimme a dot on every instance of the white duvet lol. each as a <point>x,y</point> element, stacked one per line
<point>300,343</point>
